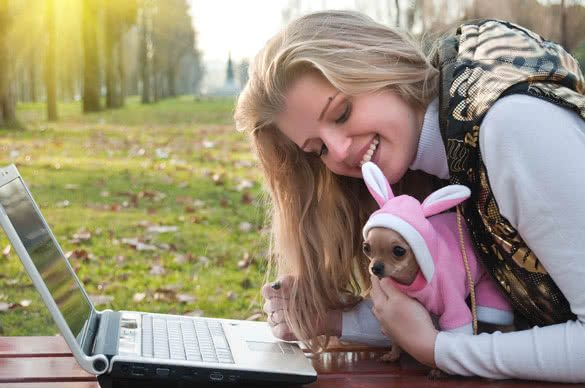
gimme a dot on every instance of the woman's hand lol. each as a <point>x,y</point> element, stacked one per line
<point>277,295</point>
<point>404,320</point>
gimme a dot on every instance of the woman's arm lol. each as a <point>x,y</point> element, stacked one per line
<point>534,152</point>
<point>359,325</point>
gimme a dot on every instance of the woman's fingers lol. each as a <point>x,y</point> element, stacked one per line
<point>274,304</point>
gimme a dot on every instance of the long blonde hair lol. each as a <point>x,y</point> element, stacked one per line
<point>317,216</point>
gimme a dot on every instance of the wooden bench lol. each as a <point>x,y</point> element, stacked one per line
<point>46,362</point>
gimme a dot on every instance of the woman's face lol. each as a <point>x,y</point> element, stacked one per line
<point>348,131</point>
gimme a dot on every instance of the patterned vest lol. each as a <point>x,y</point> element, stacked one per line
<point>479,64</point>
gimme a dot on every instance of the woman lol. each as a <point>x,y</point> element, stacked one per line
<point>335,89</point>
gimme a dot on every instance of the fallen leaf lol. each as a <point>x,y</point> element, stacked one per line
<point>208,144</point>
<point>139,297</point>
<point>203,260</point>
<point>246,261</point>
<point>245,184</point>
<point>231,296</point>
<point>71,186</point>
<point>63,203</point>
<point>245,226</point>
<point>218,179</point>
<point>186,298</point>
<point>195,313</point>
<point>157,270</point>
<point>247,198</point>
<point>138,245</point>
<point>162,229</point>
<point>101,299</point>
<point>6,251</point>
<point>246,283</point>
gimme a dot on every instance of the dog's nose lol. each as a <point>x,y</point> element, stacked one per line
<point>378,269</point>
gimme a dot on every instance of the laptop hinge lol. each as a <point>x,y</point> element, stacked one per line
<point>108,334</point>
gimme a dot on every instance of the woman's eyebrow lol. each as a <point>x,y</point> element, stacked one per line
<point>329,99</point>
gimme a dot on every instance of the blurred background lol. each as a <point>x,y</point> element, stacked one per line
<point>81,50</point>
<point>118,115</point>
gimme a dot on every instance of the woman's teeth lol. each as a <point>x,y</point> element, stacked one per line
<point>368,156</point>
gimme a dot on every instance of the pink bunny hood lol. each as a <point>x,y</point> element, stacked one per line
<point>408,217</point>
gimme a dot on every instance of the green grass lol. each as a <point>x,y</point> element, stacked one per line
<point>179,163</point>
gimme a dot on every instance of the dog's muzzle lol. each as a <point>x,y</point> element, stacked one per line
<point>378,269</point>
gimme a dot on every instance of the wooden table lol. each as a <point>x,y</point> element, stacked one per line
<point>46,362</point>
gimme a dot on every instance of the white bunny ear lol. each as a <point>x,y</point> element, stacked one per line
<point>444,199</point>
<point>377,183</point>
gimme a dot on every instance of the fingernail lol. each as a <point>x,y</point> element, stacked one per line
<point>276,285</point>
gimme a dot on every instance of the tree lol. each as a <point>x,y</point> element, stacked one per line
<point>244,65</point>
<point>91,72</point>
<point>7,69</point>
<point>119,16</point>
<point>50,73</point>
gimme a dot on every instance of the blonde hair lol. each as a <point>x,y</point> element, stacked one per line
<point>317,216</point>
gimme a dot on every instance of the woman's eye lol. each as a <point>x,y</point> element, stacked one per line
<point>345,115</point>
<point>323,150</point>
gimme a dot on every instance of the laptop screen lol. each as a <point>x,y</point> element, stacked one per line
<point>45,254</point>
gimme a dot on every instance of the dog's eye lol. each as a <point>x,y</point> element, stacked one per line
<point>398,251</point>
<point>366,248</point>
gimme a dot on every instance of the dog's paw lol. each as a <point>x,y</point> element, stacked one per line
<point>437,374</point>
<point>393,355</point>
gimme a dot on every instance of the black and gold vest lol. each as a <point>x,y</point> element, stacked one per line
<point>482,62</point>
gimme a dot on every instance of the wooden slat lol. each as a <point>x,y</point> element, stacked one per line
<point>34,347</point>
<point>34,369</point>
<point>77,384</point>
<point>45,362</point>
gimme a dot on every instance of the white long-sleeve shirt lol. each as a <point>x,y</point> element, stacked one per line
<point>534,152</point>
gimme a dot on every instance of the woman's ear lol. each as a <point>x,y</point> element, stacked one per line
<point>444,199</point>
<point>377,183</point>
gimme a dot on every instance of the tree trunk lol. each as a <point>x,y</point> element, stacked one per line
<point>397,2</point>
<point>121,72</point>
<point>172,74</point>
<point>144,59</point>
<point>110,59</point>
<point>50,69</point>
<point>32,79</point>
<point>7,92</point>
<point>564,36</point>
<point>91,75</point>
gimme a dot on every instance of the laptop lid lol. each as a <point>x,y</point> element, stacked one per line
<point>48,269</point>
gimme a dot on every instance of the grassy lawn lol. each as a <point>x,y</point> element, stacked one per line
<point>158,208</point>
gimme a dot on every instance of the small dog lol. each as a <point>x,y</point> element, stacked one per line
<point>419,250</point>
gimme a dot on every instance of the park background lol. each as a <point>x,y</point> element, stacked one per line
<point>118,115</point>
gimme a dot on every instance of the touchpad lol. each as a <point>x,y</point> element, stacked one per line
<point>264,346</point>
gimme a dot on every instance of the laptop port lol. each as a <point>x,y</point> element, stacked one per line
<point>138,371</point>
<point>215,376</point>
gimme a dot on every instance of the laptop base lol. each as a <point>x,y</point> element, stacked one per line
<point>109,381</point>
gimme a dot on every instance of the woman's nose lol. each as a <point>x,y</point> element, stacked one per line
<point>337,145</point>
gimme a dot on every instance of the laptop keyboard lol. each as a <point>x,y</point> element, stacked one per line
<point>180,339</point>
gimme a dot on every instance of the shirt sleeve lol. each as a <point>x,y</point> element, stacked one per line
<point>534,152</point>
<point>359,325</point>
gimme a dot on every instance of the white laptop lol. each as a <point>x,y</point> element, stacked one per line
<point>138,346</point>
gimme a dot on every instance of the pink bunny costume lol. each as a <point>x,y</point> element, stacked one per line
<point>441,284</point>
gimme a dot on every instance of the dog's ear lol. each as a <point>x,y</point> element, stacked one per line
<point>444,199</point>
<point>377,183</point>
